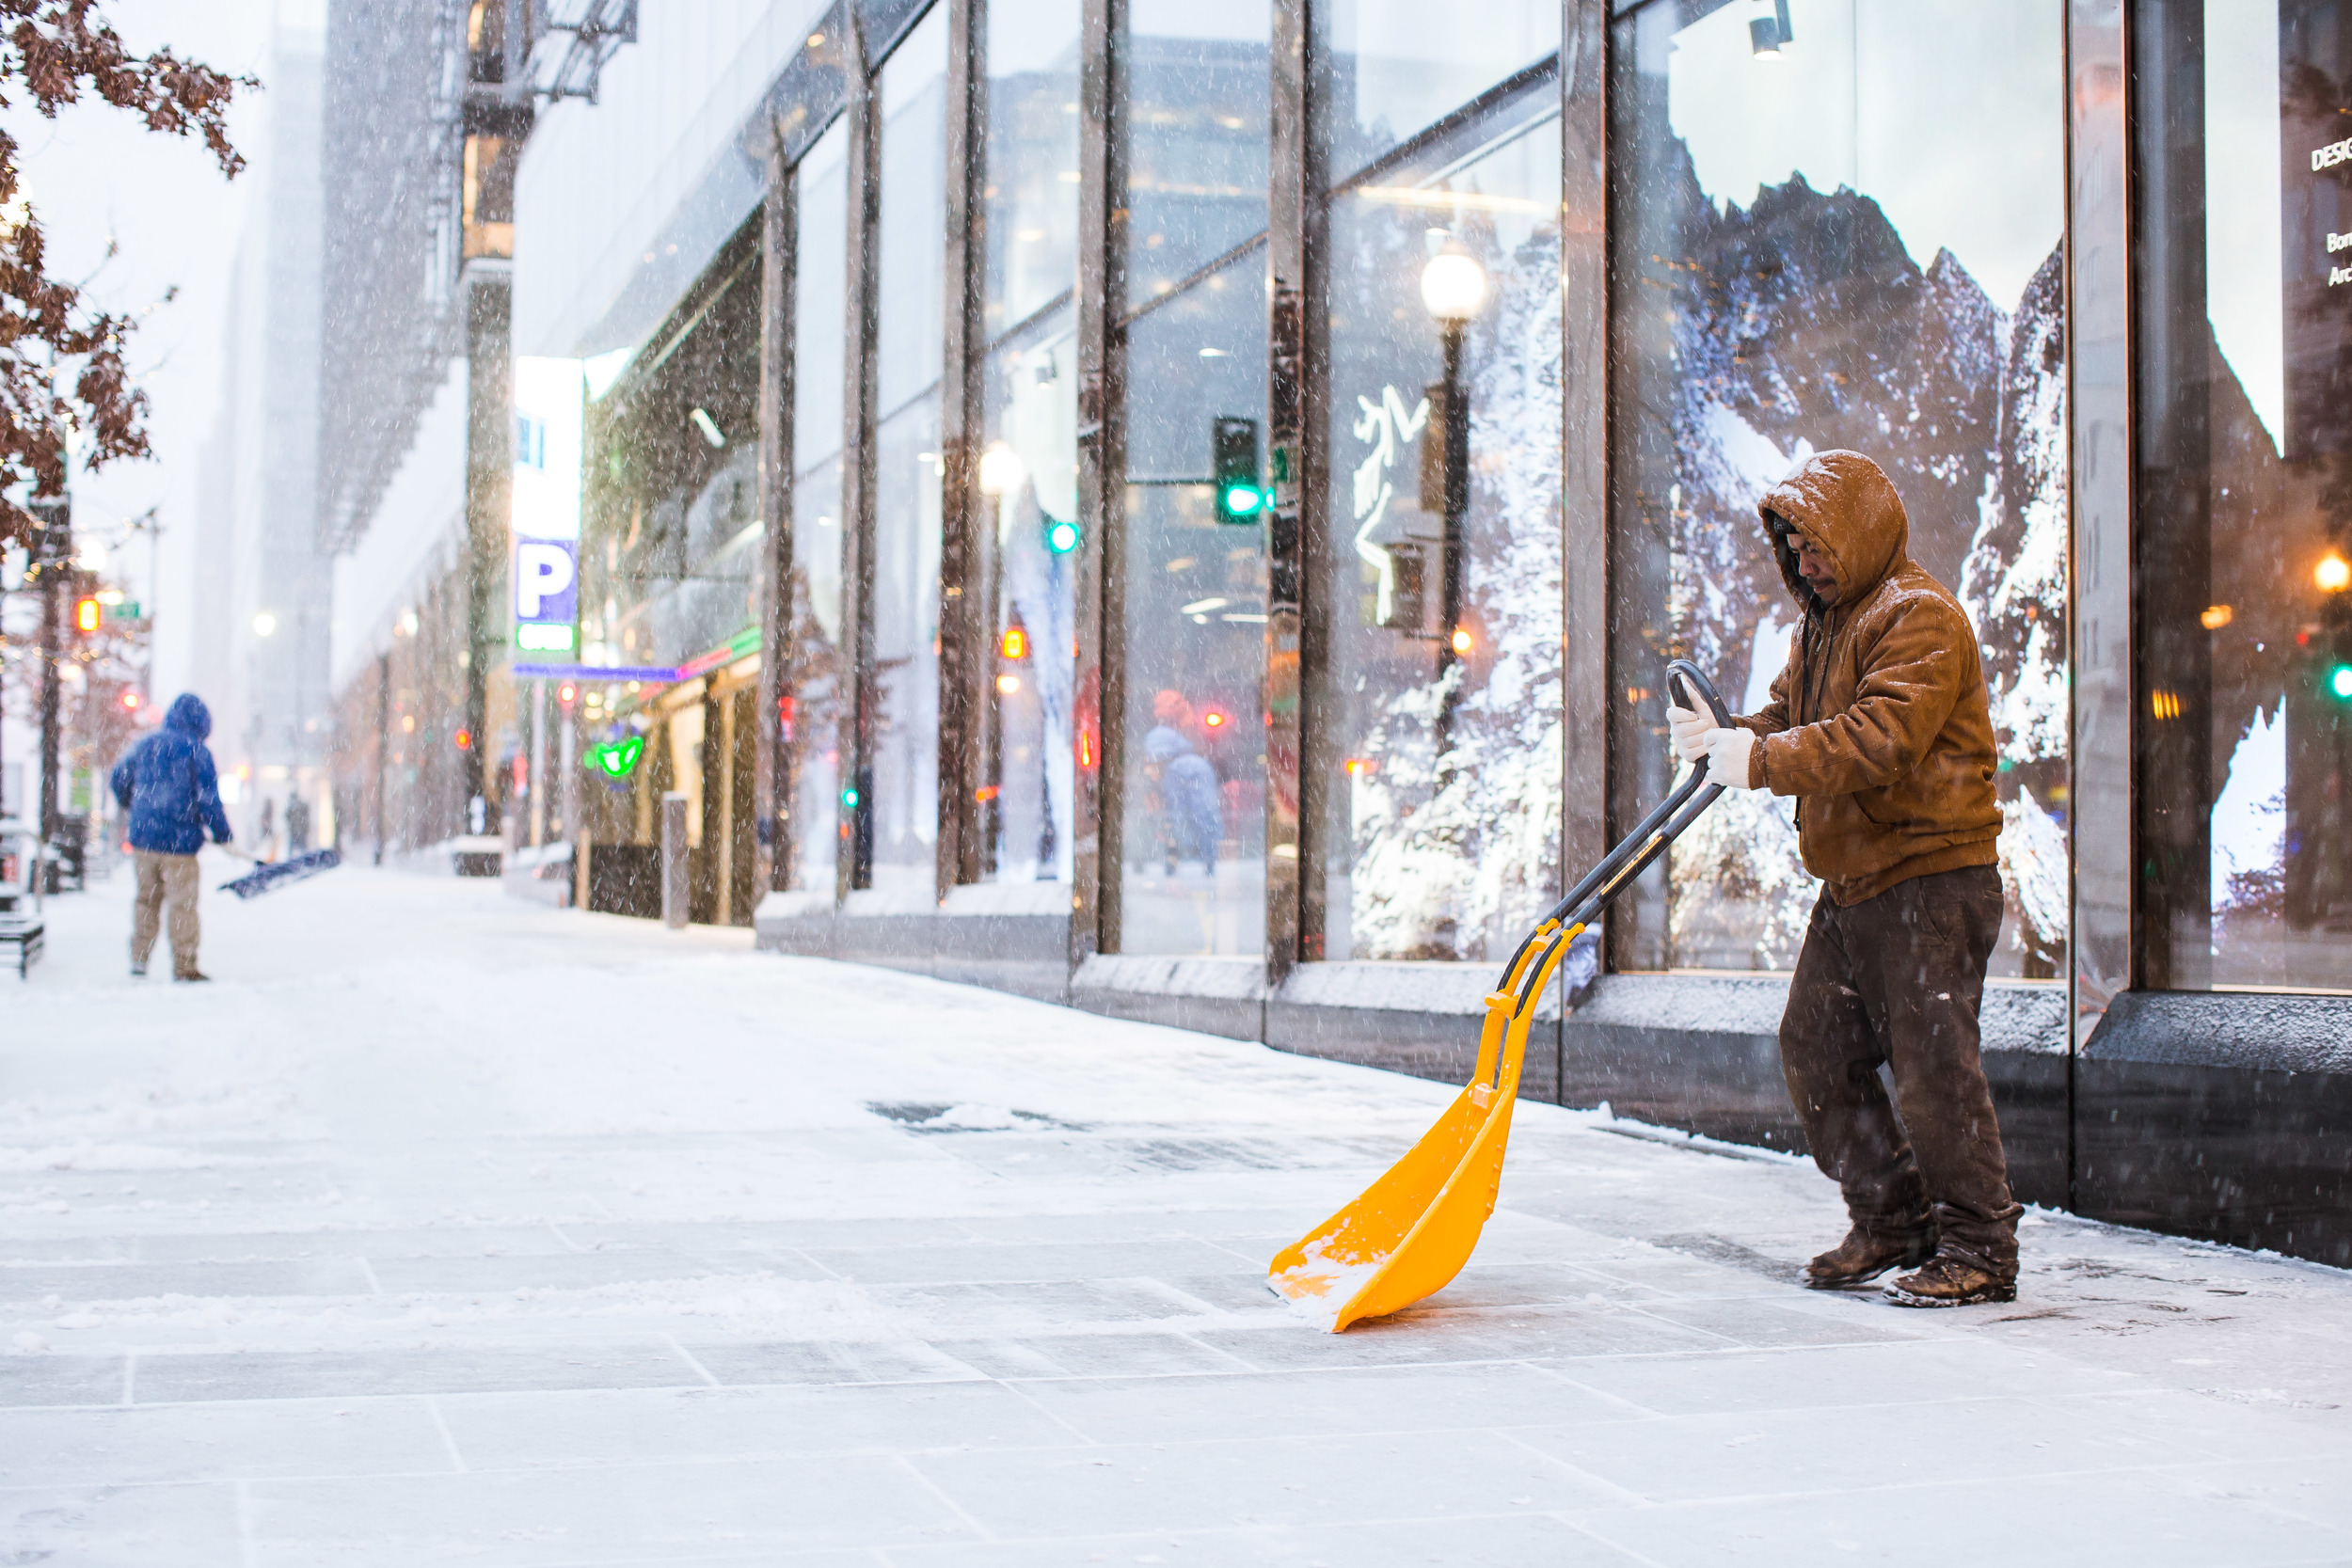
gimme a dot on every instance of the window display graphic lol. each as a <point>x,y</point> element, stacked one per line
<point>1808,279</point>
<point>2243,526</point>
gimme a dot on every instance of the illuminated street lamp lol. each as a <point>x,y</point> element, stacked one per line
<point>1454,289</point>
<point>1001,469</point>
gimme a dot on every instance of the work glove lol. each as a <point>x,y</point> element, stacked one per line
<point>1728,756</point>
<point>1690,732</point>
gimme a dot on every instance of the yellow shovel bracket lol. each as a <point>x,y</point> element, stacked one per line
<point>1409,1233</point>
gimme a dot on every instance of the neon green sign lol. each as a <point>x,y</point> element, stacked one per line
<point>614,758</point>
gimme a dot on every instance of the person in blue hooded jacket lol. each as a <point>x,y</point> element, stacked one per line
<point>172,794</point>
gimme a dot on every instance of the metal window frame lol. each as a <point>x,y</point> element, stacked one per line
<point>1098,800</point>
<point>1586,307</point>
<point>2099,398</point>
<point>776,759</point>
<point>964,663</point>
<point>860,693</point>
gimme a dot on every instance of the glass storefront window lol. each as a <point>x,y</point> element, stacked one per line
<point>819,331</point>
<point>1196,128</point>
<point>1194,638</point>
<point>1195,811</point>
<point>1398,66</point>
<point>1029,477</point>
<point>2243,732</point>
<point>903,791</point>
<point>1445,832</point>
<point>1805,258</point>
<point>1032,184</point>
<point>1030,465</point>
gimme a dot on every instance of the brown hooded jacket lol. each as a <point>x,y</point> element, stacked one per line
<point>1880,721</point>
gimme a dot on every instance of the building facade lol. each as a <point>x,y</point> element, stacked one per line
<point>1184,510</point>
<point>261,653</point>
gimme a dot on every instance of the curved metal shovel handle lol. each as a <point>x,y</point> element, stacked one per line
<point>1683,678</point>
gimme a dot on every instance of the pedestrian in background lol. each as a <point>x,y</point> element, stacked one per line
<point>168,788</point>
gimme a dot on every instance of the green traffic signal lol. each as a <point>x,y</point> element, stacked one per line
<point>1233,457</point>
<point>615,758</point>
<point>1061,537</point>
<point>2340,682</point>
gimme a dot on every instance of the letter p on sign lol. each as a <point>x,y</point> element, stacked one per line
<point>545,576</point>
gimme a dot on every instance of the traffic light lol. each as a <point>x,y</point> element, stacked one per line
<point>567,696</point>
<point>465,741</point>
<point>2339,683</point>
<point>87,614</point>
<point>1234,446</point>
<point>1061,537</point>
<point>614,758</point>
<point>1014,645</point>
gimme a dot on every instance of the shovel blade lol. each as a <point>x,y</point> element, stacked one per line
<point>1408,1233</point>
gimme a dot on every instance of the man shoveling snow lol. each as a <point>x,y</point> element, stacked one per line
<point>1880,726</point>
<point>168,786</point>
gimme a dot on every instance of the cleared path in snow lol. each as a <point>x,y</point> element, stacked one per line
<point>446,1229</point>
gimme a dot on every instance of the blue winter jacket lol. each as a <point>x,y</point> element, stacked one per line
<point>167,784</point>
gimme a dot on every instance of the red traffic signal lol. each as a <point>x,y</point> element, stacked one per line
<point>465,741</point>
<point>567,695</point>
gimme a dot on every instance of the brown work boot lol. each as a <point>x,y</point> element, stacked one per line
<point>191,973</point>
<point>1860,1259</point>
<point>1951,1282</point>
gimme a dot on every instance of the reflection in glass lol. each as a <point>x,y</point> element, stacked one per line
<point>1029,480</point>
<point>1195,813</point>
<point>1032,186</point>
<point>814,728</point>
<point>1810,260</point>
<point>1028,468</point>
<point>1445,830</point>
<point>1194,828</point>
<point>902,794</point>
<point>819,329</point>
<point>2244,736</point>
<point>1399,65</point>
<point>1197,129</point>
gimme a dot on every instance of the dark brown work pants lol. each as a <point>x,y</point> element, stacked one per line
<point>1897,979</point>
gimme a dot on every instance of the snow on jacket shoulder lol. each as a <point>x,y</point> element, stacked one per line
<point>1881,721</point>
<point>168,786</point>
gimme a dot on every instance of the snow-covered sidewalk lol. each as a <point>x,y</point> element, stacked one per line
<point>445,1229</point>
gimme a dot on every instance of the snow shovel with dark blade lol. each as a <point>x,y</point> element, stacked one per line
<point>276,874</point>
<point>1411,1231</point>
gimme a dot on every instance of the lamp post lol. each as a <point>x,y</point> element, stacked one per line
<point>52,561</point>
<point>1454,289</point>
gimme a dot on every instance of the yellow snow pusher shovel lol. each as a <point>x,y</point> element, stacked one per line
<point>1413,1230</point>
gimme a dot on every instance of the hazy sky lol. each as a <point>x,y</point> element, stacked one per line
<point>96,174</point>
<point>2244,294</point>
<point>1949,112</point>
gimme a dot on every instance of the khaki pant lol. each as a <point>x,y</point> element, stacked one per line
<point>166,880</point>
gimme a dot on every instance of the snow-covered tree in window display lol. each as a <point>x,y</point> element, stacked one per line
<point>1455,854</point>
<point>1802,323</point>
